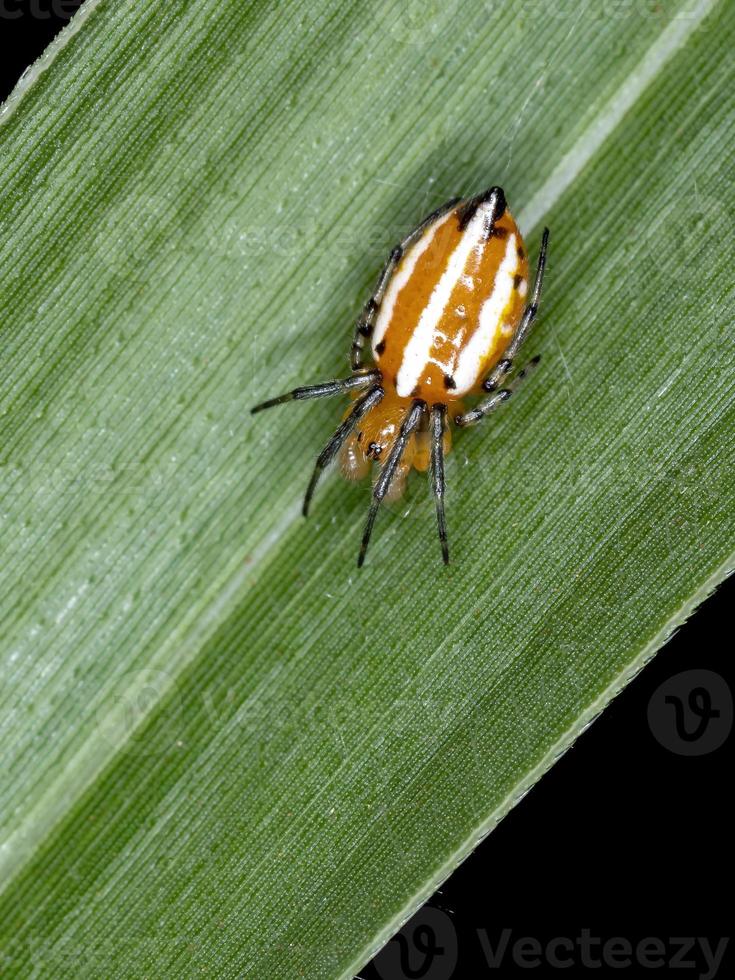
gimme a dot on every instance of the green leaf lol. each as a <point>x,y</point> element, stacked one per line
<point>225,750</point>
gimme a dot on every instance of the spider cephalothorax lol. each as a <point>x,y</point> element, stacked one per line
<point>445,322</point>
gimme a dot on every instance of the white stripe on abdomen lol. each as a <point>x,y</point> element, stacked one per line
<point>469,363</point>
<point>400,278</point>
<point>418,348</point>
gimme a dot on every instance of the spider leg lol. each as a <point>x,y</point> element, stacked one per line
<point>490,384</point>
<point>361,407</point>
<point>497,398</point>
<point>322,390</point>
<point>438,413</point>
<point>410,423</point>
<point>366,320</point>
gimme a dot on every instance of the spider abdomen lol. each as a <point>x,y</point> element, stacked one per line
<point>452,304</point>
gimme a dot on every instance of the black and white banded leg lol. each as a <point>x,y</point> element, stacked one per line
<point>498,397</point>
<point>366,320</point>
<point>323,390</point>
<point>362,406</point>
<point>438,414</point>
<point>501,369</point>
<point>410,423</point>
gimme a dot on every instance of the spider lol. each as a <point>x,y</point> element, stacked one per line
<point>445,322</point>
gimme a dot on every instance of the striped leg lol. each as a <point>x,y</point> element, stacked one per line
<point>410,423</point>
<point>366,320</point>
<point>361,407</point>
<point>498,397</point>
<point>503,366</point>
<point>438,413</point>
<point>322,390</point>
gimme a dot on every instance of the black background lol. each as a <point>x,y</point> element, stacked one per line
<point>623,837</point>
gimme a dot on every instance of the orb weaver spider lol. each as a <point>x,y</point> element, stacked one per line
<point>446,321</point>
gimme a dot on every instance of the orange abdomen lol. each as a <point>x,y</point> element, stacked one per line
<point>451,306</point>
